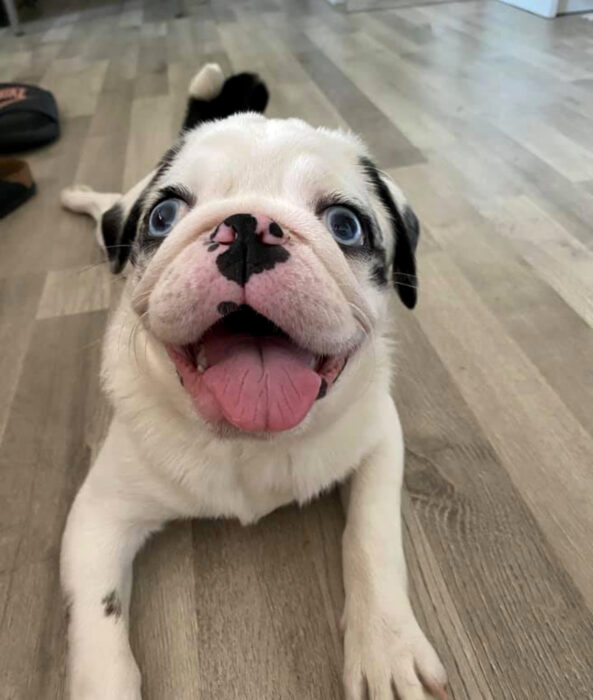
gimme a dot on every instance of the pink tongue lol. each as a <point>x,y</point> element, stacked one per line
<point>261,383</point>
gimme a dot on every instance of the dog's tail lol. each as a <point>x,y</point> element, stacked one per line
<point>212,97</point>
<point>207,82</point>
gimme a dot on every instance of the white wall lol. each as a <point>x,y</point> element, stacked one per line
<point>551,8</point>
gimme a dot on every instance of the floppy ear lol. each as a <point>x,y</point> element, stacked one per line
<point>118,232</point>
<point>405,278</point>
<point>406,232</point>
<point>119,223</point>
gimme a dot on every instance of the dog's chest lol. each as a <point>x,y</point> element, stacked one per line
<point>249,486</point>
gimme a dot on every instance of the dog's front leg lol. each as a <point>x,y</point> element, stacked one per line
<point>384,647</point>
<point>103,533</point>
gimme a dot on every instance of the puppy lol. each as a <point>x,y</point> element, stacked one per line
<point>249,367</point>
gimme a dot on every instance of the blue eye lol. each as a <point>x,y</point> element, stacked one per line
<point>344,226</point>
<point>163,217</point>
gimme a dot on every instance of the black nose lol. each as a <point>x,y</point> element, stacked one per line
<point>250,251</point>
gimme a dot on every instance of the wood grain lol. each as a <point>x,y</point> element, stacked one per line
<point>43,459</point>
<point>482,114</point>
<point>75,291</point>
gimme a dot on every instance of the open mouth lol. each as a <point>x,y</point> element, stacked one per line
<point>247,370</point>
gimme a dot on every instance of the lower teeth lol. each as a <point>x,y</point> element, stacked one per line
<point>201,360</point>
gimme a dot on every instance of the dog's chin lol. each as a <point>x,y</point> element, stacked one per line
<point>245,375</point>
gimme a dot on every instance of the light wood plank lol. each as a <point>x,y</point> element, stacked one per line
<point>75,291</point>
<point>562,261</point>
<point>539,442</point>
<point>489,556</point>
<point>40,471</point>
<point>151,134</point>
<point>19,297</point>
<point>482,114</point>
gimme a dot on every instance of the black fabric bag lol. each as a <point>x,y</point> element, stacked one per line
<point>28,117</point>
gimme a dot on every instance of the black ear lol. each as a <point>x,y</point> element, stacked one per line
<point>243,92</point>
<point>406,232</point>
<point>111,227</point>
<point>405,279</point>
<point>118,231</point>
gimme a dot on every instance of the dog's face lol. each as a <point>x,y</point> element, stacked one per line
<point>263,253</point>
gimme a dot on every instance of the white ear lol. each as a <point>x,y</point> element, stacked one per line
<point>207,82</point>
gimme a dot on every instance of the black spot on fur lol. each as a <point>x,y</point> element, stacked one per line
<point>227,307</point>
<point>112,605</point>
<point>406,232</point>
<point>248,255</point>
<point>275,230</point>
<point>243,92</point>
<point>322,390</point>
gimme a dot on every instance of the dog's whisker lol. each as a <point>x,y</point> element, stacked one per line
<point>405,284</point>
<point>92,344</point>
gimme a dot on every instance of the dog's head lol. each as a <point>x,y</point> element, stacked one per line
<point>264,253</point>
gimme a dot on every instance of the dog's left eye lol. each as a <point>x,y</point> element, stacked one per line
<point>344,226</point>
<point>163,217</point>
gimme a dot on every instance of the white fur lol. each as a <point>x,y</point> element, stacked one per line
<point>144,475</point>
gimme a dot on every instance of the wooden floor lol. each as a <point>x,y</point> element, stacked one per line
<point>483,115</point>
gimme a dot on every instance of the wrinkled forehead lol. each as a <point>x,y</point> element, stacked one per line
<point>285,158</point>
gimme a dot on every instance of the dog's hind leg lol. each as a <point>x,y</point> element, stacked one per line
<point>84,200</point>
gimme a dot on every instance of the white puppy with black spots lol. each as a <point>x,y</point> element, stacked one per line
<point>249,367</point>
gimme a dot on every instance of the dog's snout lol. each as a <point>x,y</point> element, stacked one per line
<point>242,226</point>
<point>253,244</point>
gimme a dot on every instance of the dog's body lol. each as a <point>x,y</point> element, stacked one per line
<point>197,431</point>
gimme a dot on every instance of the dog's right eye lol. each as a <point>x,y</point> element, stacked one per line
<point>163,217</point>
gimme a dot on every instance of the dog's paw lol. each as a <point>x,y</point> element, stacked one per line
<point>106,679</point>
<point>384,660</point>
